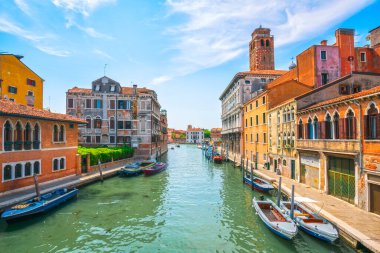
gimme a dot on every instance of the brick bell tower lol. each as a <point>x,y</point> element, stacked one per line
<point>261,50</point>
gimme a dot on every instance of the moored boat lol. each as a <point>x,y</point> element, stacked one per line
<point>259,184</point>
<point>36,206</point>
<point>217,158</point>
<point>274,219</point>
<point>311,223</point>
<point>158,167</point>
<point>178,146</point>
<point>134,169</point>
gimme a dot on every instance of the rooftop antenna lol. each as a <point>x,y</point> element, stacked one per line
<point>105,66</point>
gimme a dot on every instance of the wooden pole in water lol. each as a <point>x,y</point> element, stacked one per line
<point>37,186</point>
<point>292,203</point>
<point>279,191</point>
<point>251,177</point>
<point>100,170</point>
<point>234,161</point>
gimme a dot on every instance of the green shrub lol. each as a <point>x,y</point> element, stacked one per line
<point>106,154</point>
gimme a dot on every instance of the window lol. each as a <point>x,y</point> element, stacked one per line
<point>300,129</point>
<point>7,173</point>
<point>120,125</point>
<point>246,122</point>
<point>112,139</point>
<point>262,42</point>
<point>59,163</point>
<point>8,136</point>
<point>356,89</point>
<point>284,162</point>
<point>251,137</point>
<point>12,89</point>
<point>18,170</point>
<point>336,127</point>
<point>310,129</point>
<point>112,88</point>
<point>28,169</point>
<point>372,123</point>
<point>267,44</point>
<point>128,124</point>
<point>55,164</point>
<point>264,137</point>
<point>323,55</point>
<point>30,82</point>
<point>30,93</point>
<point>250,106</point>
<point>28,137</point>
<point>124,104</point>
<point>363,57</point>
<point>62,133</point>
<point>328,127</point>
<point>264,100</point>
<point>55,133</point>
<point>36,137</point>
<point>325,78</point>
<point>112,104</point>
<point>257,119</point>
<point>264,121</point>
<point>112,123</point>
<point>247,82</point>
<point>257,103</point>
<point>62,163</point>
<point>344,89</point>
<point>246,137</point>
<point>263,80</point>
<point>18,137</point>
<point>315,128</point>
<point>89,125</point>
<point>70,103</point>
<point>350,125</point>
<point>88,103</point>
<point>257,137</point>
<point>12,99</point>
<point>250,119</point>
<point>98,123</point>
<point>98,103</point>
<point>36,168</point>
<point>97,87</point>
<point>88,139</point>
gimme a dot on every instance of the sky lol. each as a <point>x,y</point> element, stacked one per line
<point>186,50</point>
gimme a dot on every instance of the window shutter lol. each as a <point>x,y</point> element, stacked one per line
<point>366,126</point>
<point>342,129</point>
<point>378,126</point>
<point>353,127</point>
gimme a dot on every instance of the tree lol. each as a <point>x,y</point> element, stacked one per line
<point>182,136</point>
<point>207,133</point>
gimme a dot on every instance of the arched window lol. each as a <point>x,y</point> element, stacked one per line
<point>292,140</point>
<point>267,43</point>
<point>62,133</point>
<point>337,133</point>
<point>7,172</point>
<point>285,112</point>
<point>328,127</point>
<point>97,122</point>
<point>262,42</point>
<point>292,113</point>
<point>300,129</point>
<point>315,128</point>
<point>55,164</point>
<point>18,170</point>
<point>28,137</point>
<point>310,134</point>
<point>372,123</point>
<point>18,136</point>
<point>55,133</point>
<point>28,169</point>
<point>350,125</point>
<point>89,125</point>
<point>36,168</point>
<point>62,163</point>
<point>36,137</point>
<point>278,117</point>
<point>8,136</point>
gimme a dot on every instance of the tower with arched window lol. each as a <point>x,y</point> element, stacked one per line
<point>261,50</point>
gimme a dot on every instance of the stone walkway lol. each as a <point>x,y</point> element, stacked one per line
<point>14,197</point>
<point>352,222</point>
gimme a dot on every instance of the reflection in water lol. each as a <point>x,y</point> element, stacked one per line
<point>193,206</point>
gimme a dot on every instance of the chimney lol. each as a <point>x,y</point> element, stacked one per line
<point>324,42</point>
<point>135,89</point>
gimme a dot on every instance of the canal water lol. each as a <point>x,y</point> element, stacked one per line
<point>193,206</point>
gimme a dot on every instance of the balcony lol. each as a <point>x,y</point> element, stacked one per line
<point>344,146</point>
<point>27,145</point>
<point>8,145</point>
<point>36,144</point>
<point>18,145</point>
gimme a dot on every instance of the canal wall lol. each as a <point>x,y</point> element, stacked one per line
<point>357,227</point>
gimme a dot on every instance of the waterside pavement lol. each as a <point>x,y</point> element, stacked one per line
<point>354,224</point>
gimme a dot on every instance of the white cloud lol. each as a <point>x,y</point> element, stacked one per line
<point>23,6</point>
<point>38,41</point>
<point>217,31</point>
<point>84,7</point>
<point>103,54</point>
<point>160,80</point>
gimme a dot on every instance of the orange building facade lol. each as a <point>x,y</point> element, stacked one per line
<point>19,83</point>
<point>35,141</point>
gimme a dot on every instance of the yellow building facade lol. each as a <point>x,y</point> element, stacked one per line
<point>19,83</point>
<point>256,130</point>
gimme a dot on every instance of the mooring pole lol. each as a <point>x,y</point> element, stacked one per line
<point>100,171</point>
<point>234,161</point>
<point>279,191</point>
<point>251,177</point>
<point>37,186</point>
<point>292,204</point>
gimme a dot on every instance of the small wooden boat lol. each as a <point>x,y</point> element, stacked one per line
<point>217,158</point>
<point>172,148</point>
<point>34,206</point>
<point>178,146</point>
<point>199,146</point>
<point>134,169</point>
<point>274,219</point>
<point>311,223</point>
<point>259,184</point>
<point>158,167</point>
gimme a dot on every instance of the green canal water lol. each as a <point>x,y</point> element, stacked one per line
<point>193,206</point>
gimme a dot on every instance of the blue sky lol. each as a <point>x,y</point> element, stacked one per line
<point>186,50</point>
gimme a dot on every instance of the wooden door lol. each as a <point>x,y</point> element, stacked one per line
<point>374,198</point>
